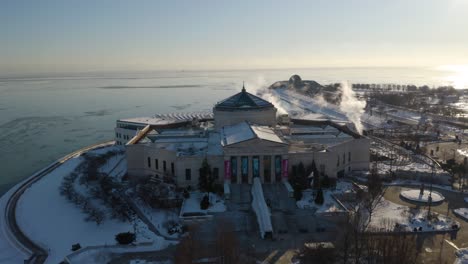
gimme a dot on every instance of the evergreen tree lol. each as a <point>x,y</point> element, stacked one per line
<point>314,169</point>
<point>206,179</point>
<point>205,203</point>
<point>302,177</point>
<point>319,197</point>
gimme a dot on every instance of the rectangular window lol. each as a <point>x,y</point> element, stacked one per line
<point>149,162</point>
<point>245,169</point>
<point>164,166</point>
<point>255,166</point>
<point>278,168</point>
<point>188,174</point>
<point>156,164</point>
<point>338,160</point>
<point>234,169</point>
<point>349,156</point>
<point>344,158</point>
<point>216,173</point>
<point>172,168</point>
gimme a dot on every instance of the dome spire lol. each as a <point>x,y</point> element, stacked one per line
<point>243,87</point>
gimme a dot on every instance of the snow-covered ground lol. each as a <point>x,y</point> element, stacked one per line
<point>461,212</point>
<point>159,217</point>
<point>414,195</point>
<point>192,204</point>
<point>53,222</point>
<point>8,252</point>
<point>461,256</point>
<point>330,204</point>
<point>387,214</point>
<point>105,254</point>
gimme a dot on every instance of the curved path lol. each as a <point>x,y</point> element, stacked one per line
<point>38,254</point>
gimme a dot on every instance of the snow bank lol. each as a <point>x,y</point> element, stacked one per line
<point>260,208</point>
<point>415,196</point>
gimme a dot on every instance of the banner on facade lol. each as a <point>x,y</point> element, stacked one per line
<point>285,167</point>
<point>227,169</point>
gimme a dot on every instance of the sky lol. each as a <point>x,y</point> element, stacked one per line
<point>106,35</point>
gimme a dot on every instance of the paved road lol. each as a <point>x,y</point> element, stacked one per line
<point>38,254</point>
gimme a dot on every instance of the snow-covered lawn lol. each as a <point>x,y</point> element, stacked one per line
<point>105,254</point>
<point>53,222</point>
<point>192,204</point>
<point>159,217</point>
<point>415,196</point>
<point>330,204</point>
<point>461,212</point>
<point>387,215</point>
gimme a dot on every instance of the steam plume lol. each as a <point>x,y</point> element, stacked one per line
<point>351,106</point>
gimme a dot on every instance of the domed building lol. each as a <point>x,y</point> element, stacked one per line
<point>241,141</point>
<point>242,107</point>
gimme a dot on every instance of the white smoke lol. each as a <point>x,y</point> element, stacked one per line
<point>351,106</point>
<point>259,87</point>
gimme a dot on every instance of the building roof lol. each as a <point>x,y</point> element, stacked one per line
<point>243,101</point>
<point>244,131</point>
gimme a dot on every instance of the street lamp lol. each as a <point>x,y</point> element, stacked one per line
<point>430,192</point>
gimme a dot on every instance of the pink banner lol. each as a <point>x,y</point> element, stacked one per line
<point>227,169</point>
<point>285,168</point>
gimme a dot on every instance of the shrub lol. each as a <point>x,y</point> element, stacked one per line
<point>297,194</point>
<point>205,203</point>
<point>319,197</point>
<point>125,238</point>
<point>186,194</point>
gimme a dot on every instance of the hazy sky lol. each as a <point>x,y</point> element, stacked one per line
<point>66,35</point>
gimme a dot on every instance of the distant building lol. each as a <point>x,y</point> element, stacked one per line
<point>241,140</point>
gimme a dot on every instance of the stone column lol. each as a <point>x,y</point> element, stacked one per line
<point>250,169</point>
<point>272,168</point>
<point>261,168</point>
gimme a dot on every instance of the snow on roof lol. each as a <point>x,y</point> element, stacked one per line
<point>244,131</point>
<point>164,119</point>
<point>237,133</point>
<point>266,133</point>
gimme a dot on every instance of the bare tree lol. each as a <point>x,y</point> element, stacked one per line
<point>227,242</point>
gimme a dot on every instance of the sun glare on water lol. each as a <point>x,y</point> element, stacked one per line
<point>457,75</point>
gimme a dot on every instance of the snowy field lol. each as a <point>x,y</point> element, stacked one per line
<point>192,204</point>
<point>415,196</point>
<point>388,214</point>
<point>53,222</point>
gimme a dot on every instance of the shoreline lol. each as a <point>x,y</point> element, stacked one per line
<point>13,234</point>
